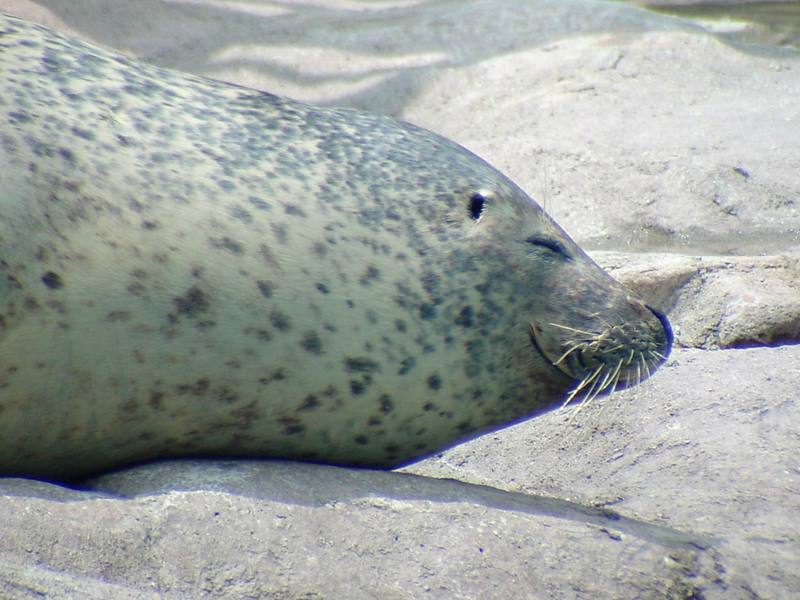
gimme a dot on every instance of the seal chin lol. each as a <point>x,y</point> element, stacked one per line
<point>607,358</point>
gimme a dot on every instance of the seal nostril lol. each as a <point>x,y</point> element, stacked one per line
<point>667,327</point>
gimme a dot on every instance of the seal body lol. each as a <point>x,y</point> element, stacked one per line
<point>193,268</point>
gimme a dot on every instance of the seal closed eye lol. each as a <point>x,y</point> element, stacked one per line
<point>551,244</point>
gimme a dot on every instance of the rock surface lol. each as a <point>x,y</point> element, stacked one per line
<point>671,156</point>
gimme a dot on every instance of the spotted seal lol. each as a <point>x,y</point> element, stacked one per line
<point>189,267</point>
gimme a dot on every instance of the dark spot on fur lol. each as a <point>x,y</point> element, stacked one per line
<point>192,303</point>
<point>240,214</point>
<point>267,256</point>
<point>311,342</point>
<point>83,133</point>
<point>266,288</point>
<point>401,325</point>
<point>67,154</point>
<point>361,439</point>
<point>246,414</point>
<point>156,400</point>
<point>361,365</point>
<point>311,402</point>
<point>357,387</point>
<point>118,315</point>
<point>431,283</point>
<point>429,406</point>
<point>435,382</point>
<point>261,334</point>
<point>291,425</point>
<point>406,365</point>
<point>279,320</point>
<point>276,375</point>
<point>427,312</point>
<point>198,388</point>
<point>374,421</point>
<point>323,289</point>
<point>293,209</point>
<point>258,203</point>
<point>149,225</point>
<point>228,244</point>
<point>227,396</point>
<point>281,232</point>
<point>371,274</point>
<point>392,449</point>
<point>129,406</point>
<point>464,317</point>
<point>52,280</point>
<point>464,427</point>
<point>19,117</point>
<point>386,403</point>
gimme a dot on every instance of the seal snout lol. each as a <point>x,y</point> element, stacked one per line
<point>605,354</point>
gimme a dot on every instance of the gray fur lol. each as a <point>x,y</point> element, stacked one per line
<point>193,268</point>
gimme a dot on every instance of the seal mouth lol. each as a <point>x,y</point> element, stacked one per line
<point>615,357</point>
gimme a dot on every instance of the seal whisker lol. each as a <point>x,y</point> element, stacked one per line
<point>574,330</point>
<point>576,346</point>
<point>586,381</point>
<point>659,356</point>
<point>616,375</point>
<point>596,390</point>
<point>614,349</point>
<point>645,366</point>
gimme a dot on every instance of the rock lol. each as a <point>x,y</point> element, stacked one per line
<point>717,301</point>
<point>670,155</point>
<point>250,530</point>
<point>708,446</point>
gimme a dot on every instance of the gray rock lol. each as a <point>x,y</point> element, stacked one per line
<point>640,133</point>
<point>709,445</point>
<point>717,301</point>
<point>269,529</point>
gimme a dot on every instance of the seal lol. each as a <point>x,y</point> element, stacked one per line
<point>191,268</point>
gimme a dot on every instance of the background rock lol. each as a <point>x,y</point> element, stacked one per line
<point>745,22</point>
<point>670,155</point>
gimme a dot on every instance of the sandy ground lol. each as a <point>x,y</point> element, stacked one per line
<point>671,156</point>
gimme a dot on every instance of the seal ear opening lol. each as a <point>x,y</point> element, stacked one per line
<point>476,202</point>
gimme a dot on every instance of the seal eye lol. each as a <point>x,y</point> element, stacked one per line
<point>550,244</point>
<point>476,202</point>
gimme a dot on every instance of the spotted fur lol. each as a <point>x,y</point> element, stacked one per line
<point>194,268</point>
